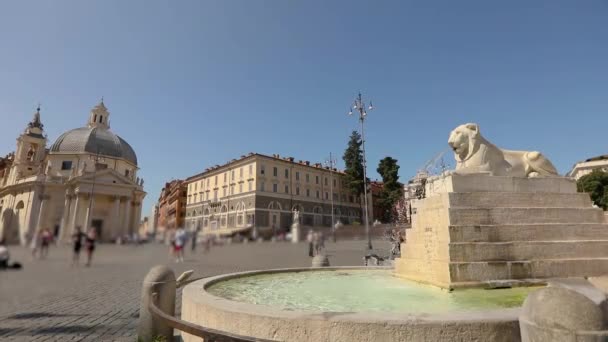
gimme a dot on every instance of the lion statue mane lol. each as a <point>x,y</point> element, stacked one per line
<point>474,154</point>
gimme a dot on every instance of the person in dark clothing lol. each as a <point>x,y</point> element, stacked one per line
<point>77,245</point>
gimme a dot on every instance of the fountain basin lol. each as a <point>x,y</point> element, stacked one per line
<point>348,304</point>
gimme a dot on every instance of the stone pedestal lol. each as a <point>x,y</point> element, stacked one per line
<point>480,230</point>
<point>295,233</point>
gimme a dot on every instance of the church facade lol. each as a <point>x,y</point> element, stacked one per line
<point>86,179</point>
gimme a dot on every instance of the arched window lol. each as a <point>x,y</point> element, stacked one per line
<point>20,205</point>
<point>206,212</point>
<point>275,206</point>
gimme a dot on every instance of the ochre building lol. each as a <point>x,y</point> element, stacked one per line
<point>259,193</point>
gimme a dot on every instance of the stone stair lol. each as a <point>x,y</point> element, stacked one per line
<point>477,230</point>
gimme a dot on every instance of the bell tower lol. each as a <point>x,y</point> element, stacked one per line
<point>99,117</point>
<point>31,149</point>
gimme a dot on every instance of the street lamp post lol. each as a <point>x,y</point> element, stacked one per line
<point>331,162</point>
<point>359,106</point>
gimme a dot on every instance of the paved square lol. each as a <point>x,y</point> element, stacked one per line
<point>51,301</point>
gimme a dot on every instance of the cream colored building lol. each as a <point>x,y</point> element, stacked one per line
<point>259,193</point>
<point>585,167</point>
<point>87,178</point>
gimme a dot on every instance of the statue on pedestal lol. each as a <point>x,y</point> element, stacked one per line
<point>295,227</point>
<point>474,154</point>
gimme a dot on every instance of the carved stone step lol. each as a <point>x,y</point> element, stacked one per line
<point>490,216</point>
<point>529,232</point>
<point>527,250</point>
<point>519,199</point>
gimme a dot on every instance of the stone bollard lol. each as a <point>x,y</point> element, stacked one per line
<point>562,313</point>
<point>161,280</point>
<point>320,260</point>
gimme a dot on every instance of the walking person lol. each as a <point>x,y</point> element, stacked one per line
<point>180,241</point>
<point>316,243</point>
<point>35,245</point>
<point>309,237</point>
<point>90,245</point>
<point>46,239</point>
<point>76,245</point>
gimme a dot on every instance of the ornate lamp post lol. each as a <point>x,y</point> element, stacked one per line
<point>360,107</point>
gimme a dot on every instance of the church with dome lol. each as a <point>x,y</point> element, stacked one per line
<point>86,179</point>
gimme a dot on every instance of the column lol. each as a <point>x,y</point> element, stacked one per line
<point>115,215</point>
<point>136,216</point>
<point>126,215</point>
<point>87,220</point>
<point>74,221</point>
<point>66,216</point>
<point>40,221</point>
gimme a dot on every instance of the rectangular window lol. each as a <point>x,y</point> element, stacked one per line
<point>325,180</point>
<point>250,169</point>
<point>241,172</point>
<point>100,166</point>
<point>208,182</point>
<point>335,197</point>
<point>274,187</point>
<point>334,182</point>
<point>307,192</point>
<point>275,171</point>
<point>262,186</point>
<point>326,195</point>
<point>297,175</point>
<point>262,169</point>
<point>216,180</point>
<point>224,192</point>
<point>215,195</point>
<point>286,189</point>
<point>286,173</point>
<point>225,176</point>
<point>195,197</point>
<point>307,178</point>
<point>232,175</point>
<point>195,186</point>
<point>126,172</point>
<point>317,193</point>
<point>250,185</point>
<point>317,179</point>
<point>297,191</point>
<point>240,187</point>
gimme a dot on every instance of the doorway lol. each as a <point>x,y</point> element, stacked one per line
<point>97,224</point>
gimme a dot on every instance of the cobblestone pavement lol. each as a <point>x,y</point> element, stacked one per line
<point>49,300</point>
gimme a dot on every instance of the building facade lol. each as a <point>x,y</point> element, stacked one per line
<point>259,193</point>
<point>87,178</point>
<point>585,167</point>
<point>171,208</point>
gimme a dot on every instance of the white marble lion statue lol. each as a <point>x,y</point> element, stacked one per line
<point>474,154</point>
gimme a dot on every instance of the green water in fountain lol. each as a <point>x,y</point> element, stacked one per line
<point>359,291</point>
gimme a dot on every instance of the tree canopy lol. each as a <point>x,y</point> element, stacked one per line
<point>353,161</point>
<point>392,190</point>
<point>596,184</point>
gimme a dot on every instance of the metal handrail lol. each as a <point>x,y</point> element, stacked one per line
<point>208,334</point>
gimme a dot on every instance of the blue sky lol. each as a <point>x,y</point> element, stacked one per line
<point>196,83</point>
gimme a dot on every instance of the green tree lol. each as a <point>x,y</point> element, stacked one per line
<point>392,190</point>
<point>596,184</point>
<point>353,162</point>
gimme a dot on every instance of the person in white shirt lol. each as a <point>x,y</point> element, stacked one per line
<point>4,256</point>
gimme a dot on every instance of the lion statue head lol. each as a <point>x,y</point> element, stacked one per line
<point>464,140</point>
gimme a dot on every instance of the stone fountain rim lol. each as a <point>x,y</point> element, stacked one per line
<point>198,294</point>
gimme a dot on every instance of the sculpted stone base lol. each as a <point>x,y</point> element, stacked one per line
<point>480,230</point>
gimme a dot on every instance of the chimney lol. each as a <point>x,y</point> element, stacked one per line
<point>291,159</point>
<point>307,163</point>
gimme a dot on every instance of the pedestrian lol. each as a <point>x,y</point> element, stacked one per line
<point>4,256</point>
<point>76,245</point>
<point>35,245</point>
<point>90,244</point>
<point>194,236</point>
<point>46,239</point>
<point>309,238</point>
<point>315,243</point>
<point>180,241</point>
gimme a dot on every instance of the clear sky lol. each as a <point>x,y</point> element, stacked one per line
<point>191,84</point>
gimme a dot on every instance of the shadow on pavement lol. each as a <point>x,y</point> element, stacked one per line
<point>32,315</point>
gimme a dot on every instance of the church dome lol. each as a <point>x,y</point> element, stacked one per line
<point>95,138</point>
